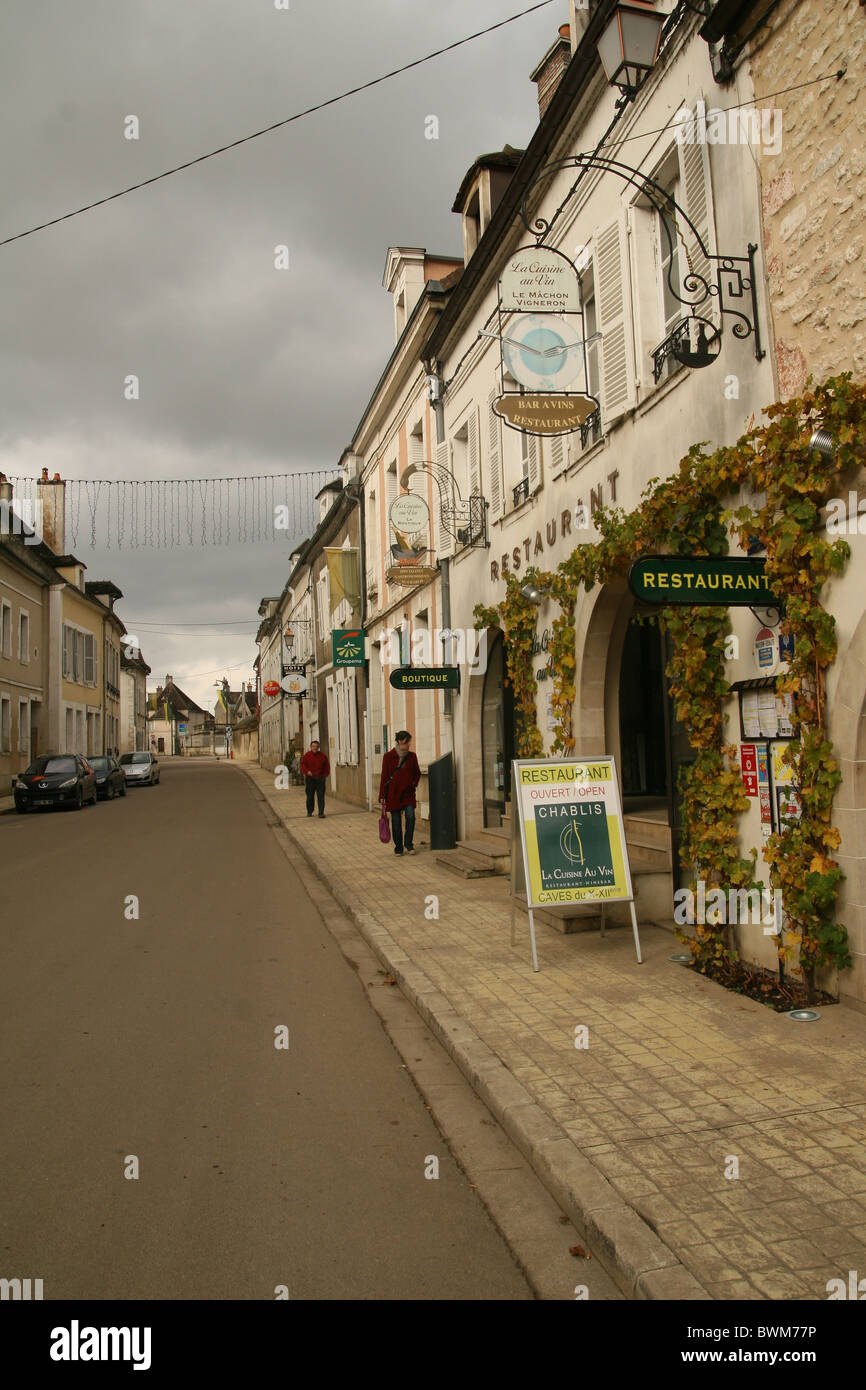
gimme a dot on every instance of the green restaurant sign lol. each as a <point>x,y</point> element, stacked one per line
<point>426,678</point>
<point>347,646</point>
<point>704,579</point>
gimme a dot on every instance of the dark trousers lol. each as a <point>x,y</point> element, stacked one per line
<point>397,827</point>
<point>315,789</point>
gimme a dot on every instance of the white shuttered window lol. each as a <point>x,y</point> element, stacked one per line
<point>614,321</point>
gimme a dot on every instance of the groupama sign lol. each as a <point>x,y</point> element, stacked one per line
<point>347,647</point>
<point>718,582</point>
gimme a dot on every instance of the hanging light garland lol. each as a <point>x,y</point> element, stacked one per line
<point>168,513</point>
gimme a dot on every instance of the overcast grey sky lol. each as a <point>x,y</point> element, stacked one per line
<point>243,369</point>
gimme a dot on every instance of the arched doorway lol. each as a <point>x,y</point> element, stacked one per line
<point>642,735</point>
<point>497,732</point>
<point>654,746</point>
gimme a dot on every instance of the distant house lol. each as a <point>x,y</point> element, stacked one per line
<point>236,711</point>
<point>134,672</point>
<point>176,724</point>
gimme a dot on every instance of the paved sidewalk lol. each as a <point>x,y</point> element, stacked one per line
<point>633,1134</point>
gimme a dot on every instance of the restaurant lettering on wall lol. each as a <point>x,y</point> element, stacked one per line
<point>530,548</point>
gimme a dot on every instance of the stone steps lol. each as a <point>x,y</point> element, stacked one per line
<point>466,864</point>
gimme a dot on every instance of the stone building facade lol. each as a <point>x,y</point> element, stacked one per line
<point>814,188</point>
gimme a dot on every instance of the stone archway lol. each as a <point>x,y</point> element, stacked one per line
<point>600,626</point>
<point>471,812</point>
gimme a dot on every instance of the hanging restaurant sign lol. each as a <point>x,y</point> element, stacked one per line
<point>426,678</point>
<point>545,414</point>
<point>539,279</point>
<point>704,579</point>
<point>410,576</point>
<point>409,519</point>
<point>294,685</point>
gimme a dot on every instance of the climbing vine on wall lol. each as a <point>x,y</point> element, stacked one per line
<point>686,514</point>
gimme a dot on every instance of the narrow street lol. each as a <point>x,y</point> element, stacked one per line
<point>154,1037</point>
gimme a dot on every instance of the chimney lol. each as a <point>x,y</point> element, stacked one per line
<point>51,493</point>
<point>169,680</point>
<point>551,69</point>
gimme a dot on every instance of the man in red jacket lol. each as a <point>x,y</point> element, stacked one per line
<point>315,767</point>
<point>400,776</point>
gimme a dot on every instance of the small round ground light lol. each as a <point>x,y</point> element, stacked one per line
<point>681,958</point>
<point>803,1015</point>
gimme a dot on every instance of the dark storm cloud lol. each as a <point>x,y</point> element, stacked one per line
<point>243,368</point>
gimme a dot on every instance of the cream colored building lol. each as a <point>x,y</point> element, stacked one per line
<point>397,431</point>
<point>541,491</point>
<point>27,580</point>
<point>134,672</point>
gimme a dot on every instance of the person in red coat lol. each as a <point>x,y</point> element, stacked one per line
<point>315,767</point>
<point>400,776</point>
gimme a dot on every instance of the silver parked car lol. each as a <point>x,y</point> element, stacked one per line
<point>140,767</point>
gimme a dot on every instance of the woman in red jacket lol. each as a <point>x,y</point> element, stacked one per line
<point>400,776</point>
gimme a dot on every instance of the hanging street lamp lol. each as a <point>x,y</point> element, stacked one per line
<point>629,45</point>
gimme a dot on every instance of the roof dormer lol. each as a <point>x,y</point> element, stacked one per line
<point>481,193</point>
<point>407,271</point>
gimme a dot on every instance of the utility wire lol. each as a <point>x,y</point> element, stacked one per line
<point>202,622</point>
<point>244,139</point>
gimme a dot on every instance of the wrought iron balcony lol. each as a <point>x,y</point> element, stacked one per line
<point>521,492</point>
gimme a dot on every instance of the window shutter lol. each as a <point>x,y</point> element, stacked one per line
<point>534,461</point>
<point>76,655</point>
<point>494,441</point>
<point>67,662</point>
<point>474,455</point>
<point>446,540</point>
<point>558,455</point>
<point>614,320</point>
<point>697,200</point>
<point>351,696</point>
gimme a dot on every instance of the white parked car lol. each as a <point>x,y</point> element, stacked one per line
<point>140,767</point>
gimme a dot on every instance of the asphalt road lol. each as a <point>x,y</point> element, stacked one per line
<point>153,1039</point>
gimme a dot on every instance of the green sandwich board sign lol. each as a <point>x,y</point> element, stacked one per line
<point>347,646</point>
<point>426,678</point>
<point>701,579</point>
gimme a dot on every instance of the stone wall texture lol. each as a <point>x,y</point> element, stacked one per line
<point>814,189</point>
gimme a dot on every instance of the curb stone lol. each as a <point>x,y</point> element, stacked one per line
<point>639,1263</point>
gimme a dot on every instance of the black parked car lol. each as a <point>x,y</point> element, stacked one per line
<point>55,779</point>
<point>110,781</point>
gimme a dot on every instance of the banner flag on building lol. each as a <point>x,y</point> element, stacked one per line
<point>344,572</point>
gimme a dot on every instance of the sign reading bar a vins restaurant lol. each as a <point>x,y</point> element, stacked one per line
<point>723,582</point>
<point>548,414</point>
<point>572,830</point>
<point>539,279</point>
